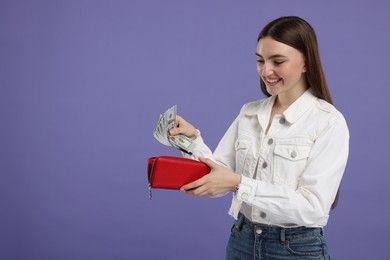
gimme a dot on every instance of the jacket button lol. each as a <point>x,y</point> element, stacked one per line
<point>293,154</point>
<point>263,215</point>
<point>270,141</point>
<point>282,120</point>
<point>264,165</point>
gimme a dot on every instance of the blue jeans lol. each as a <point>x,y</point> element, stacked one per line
<point>254,241</point>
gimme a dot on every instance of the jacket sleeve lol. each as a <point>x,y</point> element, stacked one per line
<point>200,149</point>
<point>224,154</point>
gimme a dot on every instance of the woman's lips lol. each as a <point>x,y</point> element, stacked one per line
<point>272,82</point>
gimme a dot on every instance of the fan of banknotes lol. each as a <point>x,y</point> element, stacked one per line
<point>161,132</point>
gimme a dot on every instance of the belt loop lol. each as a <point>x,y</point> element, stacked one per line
<point>283,235</point>
<point>239,222</point>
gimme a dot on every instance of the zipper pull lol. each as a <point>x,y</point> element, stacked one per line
<point>150,191</point>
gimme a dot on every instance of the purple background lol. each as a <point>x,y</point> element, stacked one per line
<point>82,86</point>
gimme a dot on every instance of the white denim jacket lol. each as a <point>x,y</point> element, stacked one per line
<point>290,176</point>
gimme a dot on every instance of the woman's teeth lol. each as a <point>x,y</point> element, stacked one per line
<point>272,80</point>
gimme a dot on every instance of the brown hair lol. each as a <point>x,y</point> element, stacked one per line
<point>297,33</point>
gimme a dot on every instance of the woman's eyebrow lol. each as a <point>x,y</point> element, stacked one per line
<point>272,56</point>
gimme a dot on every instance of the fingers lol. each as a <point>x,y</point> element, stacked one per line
<point>179,119</point>
<point>202,190</point>
<point>220,180</point>
<point>174,131</point>
<point>190,188</point>
<point>197,187</point>
<point>183,127</point>
<point>208,162</point>
<point>180,122</point>
<point>178,129</point>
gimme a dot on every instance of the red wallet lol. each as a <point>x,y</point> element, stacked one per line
<point>168,172</point>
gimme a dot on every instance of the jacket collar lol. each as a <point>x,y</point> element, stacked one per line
<point>300,106</point>
<point>291,114</point>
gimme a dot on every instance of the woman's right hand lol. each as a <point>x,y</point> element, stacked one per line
<point>185,128</point>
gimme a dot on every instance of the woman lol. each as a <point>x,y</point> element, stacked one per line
<point>283,157</point>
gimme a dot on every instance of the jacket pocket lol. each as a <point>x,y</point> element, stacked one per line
<point>289,163</point>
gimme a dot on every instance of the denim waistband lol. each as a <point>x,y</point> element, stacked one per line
<point>275,232</point>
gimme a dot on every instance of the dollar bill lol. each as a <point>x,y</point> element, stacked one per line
<point>166,122</point>
<point>182,142</point>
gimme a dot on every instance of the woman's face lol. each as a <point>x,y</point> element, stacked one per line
<point>281,67</point>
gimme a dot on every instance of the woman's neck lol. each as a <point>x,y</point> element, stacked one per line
<point>284,100</point>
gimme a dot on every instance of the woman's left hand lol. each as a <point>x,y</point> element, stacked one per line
<point>219,181</point>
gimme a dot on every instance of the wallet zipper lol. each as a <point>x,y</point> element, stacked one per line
<point>150,184</point>
<point>150,180</point>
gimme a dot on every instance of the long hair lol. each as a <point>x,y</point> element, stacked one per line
<point>297,33</point>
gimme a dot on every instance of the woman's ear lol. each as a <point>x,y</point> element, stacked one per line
<point>305,68</point>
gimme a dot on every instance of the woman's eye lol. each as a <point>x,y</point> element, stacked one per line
<point>279,62</point>
<point>260,61</point>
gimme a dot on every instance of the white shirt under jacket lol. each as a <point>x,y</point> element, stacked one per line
<point>290,176</point>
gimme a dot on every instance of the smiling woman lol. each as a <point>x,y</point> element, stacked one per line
<point>275,155</point>
<point>282,69</point>
<point>296,33</point>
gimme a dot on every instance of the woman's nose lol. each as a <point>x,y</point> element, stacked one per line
<point>266,70</point>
